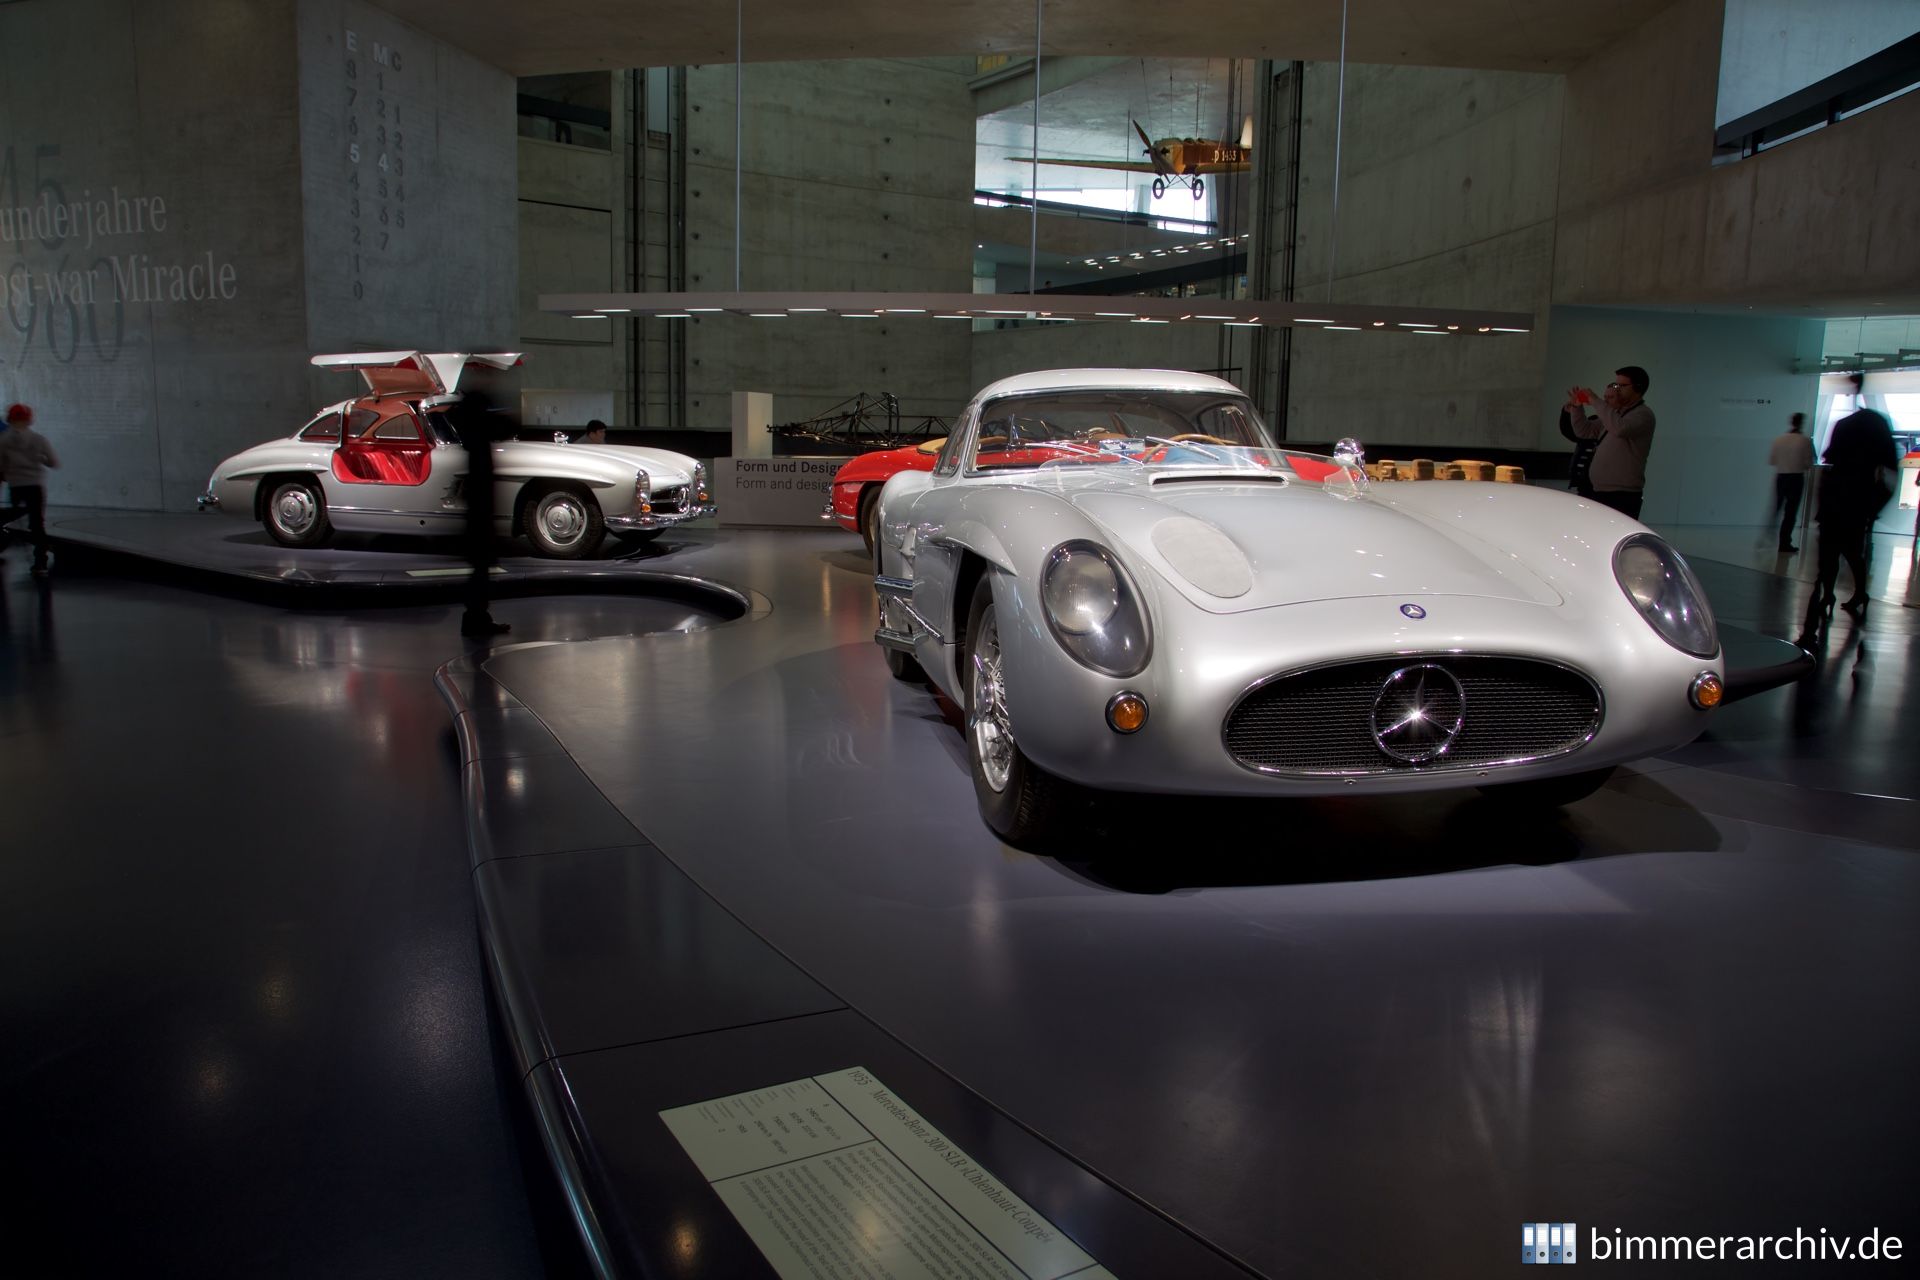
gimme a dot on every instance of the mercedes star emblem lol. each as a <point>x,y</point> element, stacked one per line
<point>1418,713</point>
<point>1413,611</point>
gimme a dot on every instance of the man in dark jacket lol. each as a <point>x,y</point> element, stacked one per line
<point>1860,456</point>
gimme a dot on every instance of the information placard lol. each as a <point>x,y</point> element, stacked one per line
<point>835,1176</point>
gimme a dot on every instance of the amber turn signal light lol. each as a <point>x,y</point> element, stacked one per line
<point>1706,691</point>
<point>1126,712</point>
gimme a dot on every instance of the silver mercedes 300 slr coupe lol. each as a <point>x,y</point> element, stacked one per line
<point>388,462</point>
<point>1124,582</point>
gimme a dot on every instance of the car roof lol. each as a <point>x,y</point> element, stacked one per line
<point>1107,380</point>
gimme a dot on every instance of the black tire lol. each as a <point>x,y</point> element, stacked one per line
<point>563,522</point>
<point>1026,808</point>
<point>869,519</point>
<point>295,512</point>
<point>1159,188</point>
<point>1199,188</point>
<point>1551,793</point>
<point>905,667</point>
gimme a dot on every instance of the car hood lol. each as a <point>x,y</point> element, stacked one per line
<point>1300,543</point>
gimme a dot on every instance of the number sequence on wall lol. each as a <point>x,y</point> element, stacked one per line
<point>378,121</point>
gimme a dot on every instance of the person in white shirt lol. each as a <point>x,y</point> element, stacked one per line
<point>1792,459</point>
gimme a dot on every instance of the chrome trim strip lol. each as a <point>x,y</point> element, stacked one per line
<point>1599,717</point>
<point>390,511</point>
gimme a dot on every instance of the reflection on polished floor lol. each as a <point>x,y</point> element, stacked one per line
<point>1685,1005</point>
<point>244,1026</point>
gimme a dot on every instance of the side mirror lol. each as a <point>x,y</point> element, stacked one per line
<point>561,437</point>
<point>1348,452</point>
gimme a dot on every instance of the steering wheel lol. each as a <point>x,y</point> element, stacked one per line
<point>1203,438</point>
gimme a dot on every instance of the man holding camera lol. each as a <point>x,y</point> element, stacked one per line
<point>1622,423</point>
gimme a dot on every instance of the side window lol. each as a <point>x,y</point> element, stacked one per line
<point>324,427</point>
<point>358,421</point>
<point>400,426</point>
<point>949,460</point>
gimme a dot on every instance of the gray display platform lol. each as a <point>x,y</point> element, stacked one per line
<point>370,567</point>
<point>1259,1022</point>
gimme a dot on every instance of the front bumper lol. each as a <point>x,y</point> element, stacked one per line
<point>660,519</point>
<point>207,501</point>
<point>1204,664</point>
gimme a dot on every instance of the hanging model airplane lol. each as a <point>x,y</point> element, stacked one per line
<point>1180,161</point>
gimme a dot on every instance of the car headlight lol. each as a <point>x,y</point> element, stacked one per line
<point>642,493</point>
<point>1666,593</point>
<point>701,494</point>
<point>1093,611</point>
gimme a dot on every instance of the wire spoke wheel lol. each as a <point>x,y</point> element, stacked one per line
<point>987,714</point>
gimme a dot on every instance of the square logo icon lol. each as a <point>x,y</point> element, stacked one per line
<point>1548,1243</point>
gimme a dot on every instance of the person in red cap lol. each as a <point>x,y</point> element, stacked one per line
<point>25,456</point>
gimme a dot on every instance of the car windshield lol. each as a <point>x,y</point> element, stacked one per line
<point>1108,425</point>
<point>1202,429</point>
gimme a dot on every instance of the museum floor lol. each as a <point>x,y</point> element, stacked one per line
<point>248,1026</point>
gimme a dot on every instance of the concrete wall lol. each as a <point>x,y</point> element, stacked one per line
<point>572,240</point>
<point>1646,218</point>
<point>858,175</point>
<point>412,244</point>
<point>1448,182</point>
<point>168,332</point>
<point>209,140</point>
<point>1722,387</point>
<point>1000,353</point>
<point>1771,48</point>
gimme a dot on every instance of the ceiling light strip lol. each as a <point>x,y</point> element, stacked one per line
<point>1057,306</point>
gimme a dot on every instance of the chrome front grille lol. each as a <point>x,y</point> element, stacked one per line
<point>1320,721</point>
<point>670,501</point>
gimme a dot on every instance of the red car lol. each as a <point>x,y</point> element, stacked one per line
<point>854,500</point>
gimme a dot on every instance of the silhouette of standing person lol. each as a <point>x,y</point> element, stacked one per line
<point>1791,458</point>
<point>480,422</point>
<point>1859,454</point>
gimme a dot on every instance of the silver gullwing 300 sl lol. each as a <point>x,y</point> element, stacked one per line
<point>1125,583</point>
<point>388,462</point>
